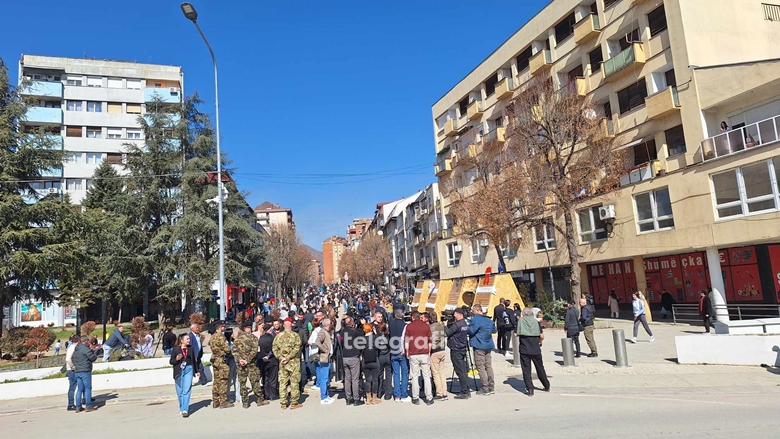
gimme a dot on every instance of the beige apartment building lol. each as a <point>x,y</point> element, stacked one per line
<point>699,203</point>
<point>271,215</point>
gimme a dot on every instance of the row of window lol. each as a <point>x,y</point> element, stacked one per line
<point>98,133</point>
<point>99,82</point>
<point>71,184</point>
<point>97,107</point>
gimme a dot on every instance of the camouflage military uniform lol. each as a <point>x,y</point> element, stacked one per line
<point>245,348</point>
<point>287,346</point>
<point>219,348</point>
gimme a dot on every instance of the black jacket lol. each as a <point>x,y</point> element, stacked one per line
<point>457,335</point>
<point>190,359</point>
<point>266,344</point>
<point>169,340</point>
<point>83,357</point>
<point>572,321</point>
<point>707,306</point>
<point>498,316</point>
<point>347,339</point>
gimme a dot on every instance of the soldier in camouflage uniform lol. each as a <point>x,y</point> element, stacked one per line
<point>245,351</point>
<point>287,348</point>
<point>219,348</point>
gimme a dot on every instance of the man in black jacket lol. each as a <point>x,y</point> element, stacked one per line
<point>458,342</point>
<point>169,341</point>
<point>82,359</point>
<point>571,324</point>
<point>349,337</point>
<point>705,304</point>
<point>269,365</point>
<point>587,320</point>
<point>498,319</point>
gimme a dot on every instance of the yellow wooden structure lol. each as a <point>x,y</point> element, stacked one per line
<point>430,289</point>
<point>499,286</point>
<point>418,294</point>
<point>438,302</point>
<point>459,288</point>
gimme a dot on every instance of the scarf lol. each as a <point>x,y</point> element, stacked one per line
<point>528,327</point>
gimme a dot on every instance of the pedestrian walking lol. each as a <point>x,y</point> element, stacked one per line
<point>438,344</point>
<point>57,346</point>
<point>501,322</point>
<point>245,353</point>
<point>220,350</point>
<point>481,332</point>
<point>614,305</point>
<point>82,359</point>
<point>587,320</point>
<point>705,305</point>
<point>531,338</point>
<point>287,348</point>
<point>324,345</point>
<point>571,324</point>
<point>638,305</point>
<point>667,303</point>
<point>184,363</point>
<point>458,342</point>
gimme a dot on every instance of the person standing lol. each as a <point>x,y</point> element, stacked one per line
<point>638,305</point>
<point>588,324</point>
<point>667,302</point>
<point>324,344</point>
<point>705,305</point>
<point>571,324</point>
<point>498,319</point>
<point>184,364</point>
<point>82,359</point>
<point>481,332</point>
<point>220,349</point>
<point>458,342</point>
<point>169,340</point>
<point>287,348</point>
<point>417,344</point>
<point>385,365</point>
<point>397,329</point>
<point>510,320</point>
<point>350,352</point>
<point>614,305</point>
<point>438,344</point>
<point>115,341</point>
<point>531,337</point>
<point>370,357</point>
<point>70,370</point>
<point>245,353</point>
<point>57,346</point>
<point>269,364</point>
<point>197,346</point>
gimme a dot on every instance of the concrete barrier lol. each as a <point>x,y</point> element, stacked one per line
<point>34,374</point>
<point>739,350</point>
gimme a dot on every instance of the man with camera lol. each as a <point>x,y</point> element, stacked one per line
<point>220,349</point>
<point>458,342</point>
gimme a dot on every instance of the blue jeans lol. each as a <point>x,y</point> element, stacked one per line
<point>84,390</point>
<point>71,387</point>
<point>323,373</point>
<point>168,351</point>
<point>400,376</point>
<point>183,387</point>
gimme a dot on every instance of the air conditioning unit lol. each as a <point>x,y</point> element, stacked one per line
<point>483,243</point>
<point>607,212</point>
<point>54,190</point>
<point>458,248</point>
<point>173,90</point>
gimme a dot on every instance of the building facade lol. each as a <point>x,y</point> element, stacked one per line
<point>271,215</point>
<point>332,250</point>
<point>355,231</point>
<point>90,108</point>
<point>692,90</point>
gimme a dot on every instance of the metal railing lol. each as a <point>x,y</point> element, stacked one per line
<point>619,61</point>
<point>689,313</point>
<point>734,141</point>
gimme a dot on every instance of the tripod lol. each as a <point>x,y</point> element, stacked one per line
<point>471,368</point>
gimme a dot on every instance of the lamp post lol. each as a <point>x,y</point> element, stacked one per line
<point>192,15</point>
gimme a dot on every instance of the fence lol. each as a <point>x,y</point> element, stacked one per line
<point>689,313</point>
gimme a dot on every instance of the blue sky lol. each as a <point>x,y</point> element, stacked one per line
<point>306,87</point>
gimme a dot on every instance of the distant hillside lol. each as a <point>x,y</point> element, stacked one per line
<point>316,254</point>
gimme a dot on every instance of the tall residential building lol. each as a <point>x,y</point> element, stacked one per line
<point>355,231</point>
<point>90,108</point>
<point>332,250</point>
<point>691,88</point>
<point>269,215</point>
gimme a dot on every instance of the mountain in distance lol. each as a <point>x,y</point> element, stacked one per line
<point>315,254</point>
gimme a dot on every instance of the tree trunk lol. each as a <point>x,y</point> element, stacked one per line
<point>119,318</point>
<point>2,317</point>
<point>500,259</point>
<point>104,318</point>
<point>160,313</point>
<point>574,257</point>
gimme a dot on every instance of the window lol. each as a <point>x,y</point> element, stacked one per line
<point>115,107</point>
<point>453,254</point>
<point>94,133</point>
<point>73,157</point>
<point>671,80</point>
<point>114,158</point>
<point>73,132</point>
<point>73,185</point>
<point>89,184</point>
<point>771,12</point>
<point>591,227</point>
<point>545,237</point>
<point>657,21</point>
<point>645,152</point>
<point>490,84</point>
<point>114,83</point>
<point>565,28</point>
<point>94,107</point>
<point>608,3</point>
<point>74,81</point>
<point>134,84</point>
<point>114,133</point>
<point>675,141</point>
<point>596,58</point>
<point>73,106</point>
<point>747,190</point>
<point>477,252</point>
<point>626,41</point>
<point>94,158</point>
<point>523,60</point>
<point>654,211</point>
<point>133,108</point>
<point>463,105</point>
<point>633,96</point>
<point>93,81</point>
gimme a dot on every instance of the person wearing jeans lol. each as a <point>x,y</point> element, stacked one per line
<point>397,330</point>
<point>83,357</point>
<point>639,316</point>
<point>185,364</point>
<point>481,332</point>
<point>324,345</point>
<point>74,340</point>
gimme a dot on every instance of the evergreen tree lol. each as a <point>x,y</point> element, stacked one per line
<point>106,189</point>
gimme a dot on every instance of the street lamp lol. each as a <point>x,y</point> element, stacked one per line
<point>192,15</point>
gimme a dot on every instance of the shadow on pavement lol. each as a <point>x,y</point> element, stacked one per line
<point>103,398</point>
<point>693,332</point>
<point>610,362</point>
<point>672,360</point>
<point>199,405</point>
<point>516,384</point>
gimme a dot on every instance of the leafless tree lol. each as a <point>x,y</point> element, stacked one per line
<point>282,246</point>
<point>372,259</point>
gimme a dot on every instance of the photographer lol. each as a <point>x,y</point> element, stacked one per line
<point>458,342</point>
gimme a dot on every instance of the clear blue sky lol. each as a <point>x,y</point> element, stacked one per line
<point>306,87</point>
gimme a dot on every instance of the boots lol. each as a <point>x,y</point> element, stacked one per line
<point>377,400</point>
<point>371,399</point>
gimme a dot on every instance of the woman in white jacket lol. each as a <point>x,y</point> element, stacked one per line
<point>614,305</point>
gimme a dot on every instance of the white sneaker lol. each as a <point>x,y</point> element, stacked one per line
<point>508,355</point>
<point>314,388</point>
<point>633,340</point>
<point>327,400</point>
<point>652,339</point>
<point>407,399</point>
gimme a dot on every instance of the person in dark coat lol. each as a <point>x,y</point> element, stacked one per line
<point>269,365</point>
<point>705,305</point>
<point>169,340</point>
<point>667,301</point>
<point>499,318</point>
<point>572,326</point>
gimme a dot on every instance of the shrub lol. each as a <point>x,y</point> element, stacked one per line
<point>87,328</point>
<point>197,318</point>
<point>139,329</point>
<point>544,301</point>
<point>39,339</point>
<point>559,309</point>
<point>13,342</point>
<point>525,295</point>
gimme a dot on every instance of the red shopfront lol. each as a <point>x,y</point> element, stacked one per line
<point>741,275</point>
<point>683,276</point>
<point>618,276</point>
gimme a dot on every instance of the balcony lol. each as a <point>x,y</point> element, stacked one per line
<point>614,67</point>
<point>609,127</point>
<point>55,172</point>
<point>586,28</point>
<point>741,139</point>
<point>443,167</point>
<point>446,234</point>
<point>581,86</point>
<point>497,136</point>
<point>638,173</point>
<point>474,110</point>
<point>44,89</point>
<point>472,151</point>
<point>663,103</point>
<point>43,115</point>
<point>450,128</point>
<point>45,141</point>
<point>167,95</point>
<point>505,88</point>
<point>540,61</point>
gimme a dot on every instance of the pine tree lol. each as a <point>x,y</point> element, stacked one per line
<point>106,189</point>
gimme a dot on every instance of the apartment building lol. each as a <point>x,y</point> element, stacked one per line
<point>90,108</point>
<point>332,250</point>
<point>270,215</point>
<point>355,231</point>
<point>691,88</point>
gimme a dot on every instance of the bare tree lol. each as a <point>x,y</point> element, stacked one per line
<point>563,154</point>
<point>301,268</point>
<point>372,259</point>
<point>282,246</point>
<point>348,264</point>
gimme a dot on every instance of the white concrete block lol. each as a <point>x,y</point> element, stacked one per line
<point>742,350</point>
